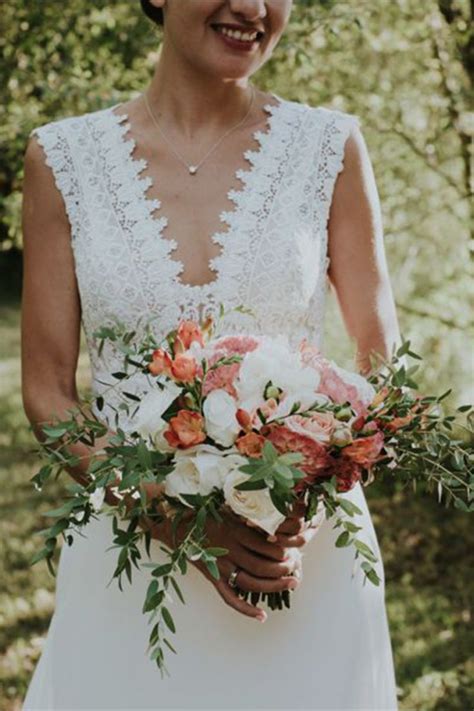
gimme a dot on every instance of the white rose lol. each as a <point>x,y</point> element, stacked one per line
<point>219,413</point>
<point>274,360</point>
<point>256,506</point>
<point>199,470</point>
<point>149,421</point>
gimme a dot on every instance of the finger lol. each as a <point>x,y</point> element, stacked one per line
<point>298,541</point>
<point>253,541</point>
<point>292,526</point>
<point>229,596</point>
<point>250,583</point>
<point>261,567</point>
<point>239,604</point>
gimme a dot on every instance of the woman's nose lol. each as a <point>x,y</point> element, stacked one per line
<point>250,9</point>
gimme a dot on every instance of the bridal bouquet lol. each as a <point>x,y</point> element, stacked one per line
<point>251,424</point>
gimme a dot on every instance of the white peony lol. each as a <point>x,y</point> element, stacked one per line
<point>275,360</point>
<point>256,506</point>
<point>149,421</point>
<point>199,469</point>
<point>219,411</point>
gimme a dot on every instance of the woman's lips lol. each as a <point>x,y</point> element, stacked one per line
<point>233,43</point>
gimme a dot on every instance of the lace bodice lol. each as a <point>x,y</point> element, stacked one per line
<point>273,255</point>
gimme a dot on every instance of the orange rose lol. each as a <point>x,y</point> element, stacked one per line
<point>161,363</point>
<point>364,451</point>
<point>186,429</point>
<point>184,368</point>
<point>250,444</point>
<point>189,331</point>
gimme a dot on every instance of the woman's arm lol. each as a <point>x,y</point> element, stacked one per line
<point>358,268</point>
<point>51,312</point>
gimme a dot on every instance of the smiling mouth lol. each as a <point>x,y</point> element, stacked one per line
<point>245,37</point>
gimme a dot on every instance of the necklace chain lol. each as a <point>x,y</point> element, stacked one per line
<point>194,168</point>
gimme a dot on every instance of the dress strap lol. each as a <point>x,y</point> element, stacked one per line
<point>59,157</point>
<point>336,130</point>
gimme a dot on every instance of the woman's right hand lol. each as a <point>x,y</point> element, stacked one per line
<point>263,566</point>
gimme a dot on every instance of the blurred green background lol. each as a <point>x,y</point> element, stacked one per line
<point>403,67</point>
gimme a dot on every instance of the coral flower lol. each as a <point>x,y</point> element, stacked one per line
<point>244,419</point>
<point>364,451</point>
<point>188,332</point>
<point>250,444</point>
<point>184,367</point>
<point>186,429</point>
<point>285,440</point>
<point>161,363</point>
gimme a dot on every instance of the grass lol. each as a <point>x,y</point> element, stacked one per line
<point>426,551</point>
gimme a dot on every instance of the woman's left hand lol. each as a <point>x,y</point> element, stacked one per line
<point>295,532</point>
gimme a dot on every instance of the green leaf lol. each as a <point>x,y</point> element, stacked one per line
<point>211,565</point>
<point>168,619</point>
<point>350,508</point>
<point>343,539</point>
<point>251,485</point>
<point>162,570</point>
<point>177,590</point>
<point>168,644</point>
<point>217,551</point>
<point>364,549</point>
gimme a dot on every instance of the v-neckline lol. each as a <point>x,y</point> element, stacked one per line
<point>239,197</point>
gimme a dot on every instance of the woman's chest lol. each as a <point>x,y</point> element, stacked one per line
<point>256,241</point>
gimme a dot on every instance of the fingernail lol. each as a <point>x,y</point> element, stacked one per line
<point>272,539</point>
<point>262,616</point>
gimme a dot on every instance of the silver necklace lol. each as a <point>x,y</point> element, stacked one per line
<point>192,169</point>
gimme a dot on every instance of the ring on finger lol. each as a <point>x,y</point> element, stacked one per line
<point>232,579</point>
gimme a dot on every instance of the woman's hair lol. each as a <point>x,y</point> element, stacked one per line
<point>154,13</point>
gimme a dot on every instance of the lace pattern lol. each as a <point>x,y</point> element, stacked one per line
<point>273,255</point>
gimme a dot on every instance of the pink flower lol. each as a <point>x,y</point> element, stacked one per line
<point>332,383</point>
<point>365,450</point>
<point>222,377</point>
<point>319,426</point>
<point>236,345</point>
<point>286,440</point>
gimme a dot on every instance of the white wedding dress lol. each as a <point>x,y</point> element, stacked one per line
<point>332,649</point>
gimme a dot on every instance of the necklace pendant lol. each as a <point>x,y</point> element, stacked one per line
<point>192,169</point>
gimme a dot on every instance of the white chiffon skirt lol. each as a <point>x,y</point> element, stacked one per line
<point>331,650</point>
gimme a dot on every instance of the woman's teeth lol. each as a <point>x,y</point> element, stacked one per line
<point>237,34</point>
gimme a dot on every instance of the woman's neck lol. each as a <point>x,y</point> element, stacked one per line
<point>196,100</point>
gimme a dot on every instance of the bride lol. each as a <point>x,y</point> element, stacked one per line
<point>206,190</point>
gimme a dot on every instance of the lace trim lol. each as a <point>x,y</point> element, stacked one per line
<point>331,161</point>
<point>58,157</point>
<point>143,231</point>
